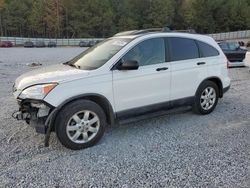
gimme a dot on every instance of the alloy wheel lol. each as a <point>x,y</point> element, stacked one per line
<point>83,126</point>
<point>208,98</point>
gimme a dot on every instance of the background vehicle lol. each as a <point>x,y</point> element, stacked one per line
<point>51,44</point>
<point>28,44</point>
<point>121,79</point>
<point>84,44</point>
<point>5,44</point>
<point>40,44</point>
<point>92,43</point>
<point>234,53</point>
<point>98,41</point>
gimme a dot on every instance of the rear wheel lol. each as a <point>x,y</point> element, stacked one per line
<point>80,124</point>
<point>206,98</point>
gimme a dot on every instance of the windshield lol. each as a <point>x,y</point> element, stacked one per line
<point>99,54</point>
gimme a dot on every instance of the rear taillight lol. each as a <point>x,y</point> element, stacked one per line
<point>227,62</point>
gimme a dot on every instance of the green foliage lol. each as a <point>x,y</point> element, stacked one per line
<point>53,17</point>
<point>2,5</point>
<point>15,16</point>
<point>2,2</point>
<point>103,18</point>
<point>159,13</point>
<point>36,18</point>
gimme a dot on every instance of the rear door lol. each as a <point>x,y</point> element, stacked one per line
<point>188,69</point>
<point>216,62</point>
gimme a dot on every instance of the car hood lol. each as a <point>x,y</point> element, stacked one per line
<point>49,74</point>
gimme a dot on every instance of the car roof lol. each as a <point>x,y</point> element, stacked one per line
<point>147,35</point>
<point>143,32</point>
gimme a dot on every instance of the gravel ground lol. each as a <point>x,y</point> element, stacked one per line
<point>177,150</point>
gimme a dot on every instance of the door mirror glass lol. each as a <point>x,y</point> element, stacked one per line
<point>128,65</point>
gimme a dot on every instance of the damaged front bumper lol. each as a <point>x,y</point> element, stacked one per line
<point>35,113</point>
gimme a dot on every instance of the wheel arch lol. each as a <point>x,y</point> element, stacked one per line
<point>217,81</point>
<point>97,98</point>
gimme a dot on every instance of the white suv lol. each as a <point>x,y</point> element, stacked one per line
<point>126,76</point>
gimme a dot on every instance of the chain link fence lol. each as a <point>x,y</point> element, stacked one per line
<point>231,35</point>
<point>19,41</point>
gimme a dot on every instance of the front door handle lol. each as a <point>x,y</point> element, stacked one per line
<point>201,63</point>
<point>162,69</point>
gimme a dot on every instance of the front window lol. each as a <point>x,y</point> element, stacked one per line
<point>99,54</point>
<point>148,52</point>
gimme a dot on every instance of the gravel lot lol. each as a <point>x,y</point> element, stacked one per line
<point>177,150</point>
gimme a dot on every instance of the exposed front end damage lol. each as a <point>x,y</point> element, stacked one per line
<point>38,114</point>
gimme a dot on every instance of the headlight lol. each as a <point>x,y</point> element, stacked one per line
<point>37,91</point>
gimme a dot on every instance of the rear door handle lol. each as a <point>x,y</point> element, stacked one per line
<point>162,69</point>
<point>201,63</point>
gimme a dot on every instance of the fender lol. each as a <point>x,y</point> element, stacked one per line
<point>99,99</point>
<point>217,80</point>
<point>94,97</point>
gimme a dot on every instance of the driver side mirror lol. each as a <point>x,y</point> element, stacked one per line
<point>128,65</point>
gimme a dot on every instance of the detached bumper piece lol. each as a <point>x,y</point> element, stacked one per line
<point>48,124</point>
<point>226,89</point>
<point>39,126</point>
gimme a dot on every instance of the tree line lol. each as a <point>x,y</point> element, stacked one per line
<point>103,18</point>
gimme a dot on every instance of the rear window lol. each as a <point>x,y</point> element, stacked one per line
<point>207,50</point>
<point>223,46</point>
<point>229,45</point>
<point>233,45</point>
<point>183,49</point>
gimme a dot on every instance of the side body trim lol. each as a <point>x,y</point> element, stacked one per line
<point>154,108</point>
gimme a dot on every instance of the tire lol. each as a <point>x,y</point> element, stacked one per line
<point>202,99</point>
<point>80,124</point>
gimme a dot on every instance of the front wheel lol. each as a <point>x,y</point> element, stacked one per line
<point>80,124</point>
<point>206,98</point>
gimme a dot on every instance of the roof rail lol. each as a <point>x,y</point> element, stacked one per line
<point>143,31</point>
<point>186,31</point>
<point>126,33</point>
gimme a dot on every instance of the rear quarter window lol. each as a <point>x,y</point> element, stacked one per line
<point>207,50</point>
<point>183,49</point>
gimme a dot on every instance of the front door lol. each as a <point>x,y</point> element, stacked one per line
<point>147,86</point>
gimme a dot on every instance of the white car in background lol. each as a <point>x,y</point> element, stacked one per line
<point>129,75</point>
<point>247,60</point>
